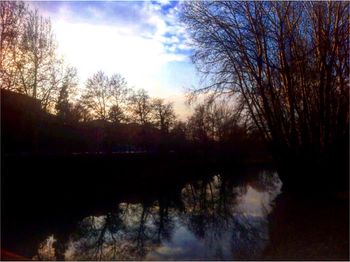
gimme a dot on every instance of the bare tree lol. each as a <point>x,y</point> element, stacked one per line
<point>29,63</point>
<point>11,24</point>
<point>37,55</point>
<point>140,107</point>
<point>197,125</point>
<point>97,95</point>
<point>104,96</point>
<point>163,115</point>
<point>119,92</point>
<point>288,62</point>
<point>214,121</point>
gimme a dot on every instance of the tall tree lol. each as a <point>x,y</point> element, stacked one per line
<point>198,126</point>
<point>97,94</point>
<point>287,61</point>
<point>119,95</point>
<point>67,89</point>
<point>140,107</point>
<point>106,96</point>
<point>37,55</point>
<point>163,114</point>
<point>29,63</point>
<point>11,24</point>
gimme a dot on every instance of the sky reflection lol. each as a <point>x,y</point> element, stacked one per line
<point>216,220</point>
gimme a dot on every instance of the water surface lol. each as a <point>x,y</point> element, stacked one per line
<point>213,219</point>
<point>241,215</point>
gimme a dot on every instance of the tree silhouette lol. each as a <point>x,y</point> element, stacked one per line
<point>163,114</point>
<point>11,22</point>
<point>29,62</point>
<point>140,107</point>
<point>104,96</point>
<point>63,105</point>
<point>286,62</point>
<point>116,114</point>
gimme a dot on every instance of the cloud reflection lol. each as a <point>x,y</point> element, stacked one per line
<point>216,220</point>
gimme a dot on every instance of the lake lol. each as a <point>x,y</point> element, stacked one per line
<point>152,214</point>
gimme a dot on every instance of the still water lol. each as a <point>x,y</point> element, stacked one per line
<point>214,219</point>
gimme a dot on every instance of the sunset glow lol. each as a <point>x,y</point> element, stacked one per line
<point>143,41</point>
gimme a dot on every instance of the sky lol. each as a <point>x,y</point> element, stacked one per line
<point>141,40</point>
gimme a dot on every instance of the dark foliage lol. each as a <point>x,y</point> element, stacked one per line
<point>27,129</point>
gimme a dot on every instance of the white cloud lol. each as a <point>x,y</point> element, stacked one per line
<point>164,2</point>
<point>90,48</point>
<point>102,38</point>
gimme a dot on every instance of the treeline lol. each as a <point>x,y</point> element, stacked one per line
<point>287,66</point>
<point>103,115</point>
<point>27,129</point>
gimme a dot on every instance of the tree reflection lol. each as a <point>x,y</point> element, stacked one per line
<point>206,206</point>
<point>220,214</point>
<point>129,233</point>
<point>220,219</point>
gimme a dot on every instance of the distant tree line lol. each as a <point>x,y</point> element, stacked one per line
<point>31,66</point>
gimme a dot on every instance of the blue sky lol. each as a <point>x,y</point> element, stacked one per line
<point>142,40</point>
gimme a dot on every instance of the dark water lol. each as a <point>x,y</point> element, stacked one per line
<point>223,216</point>
<point>213,219</point>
